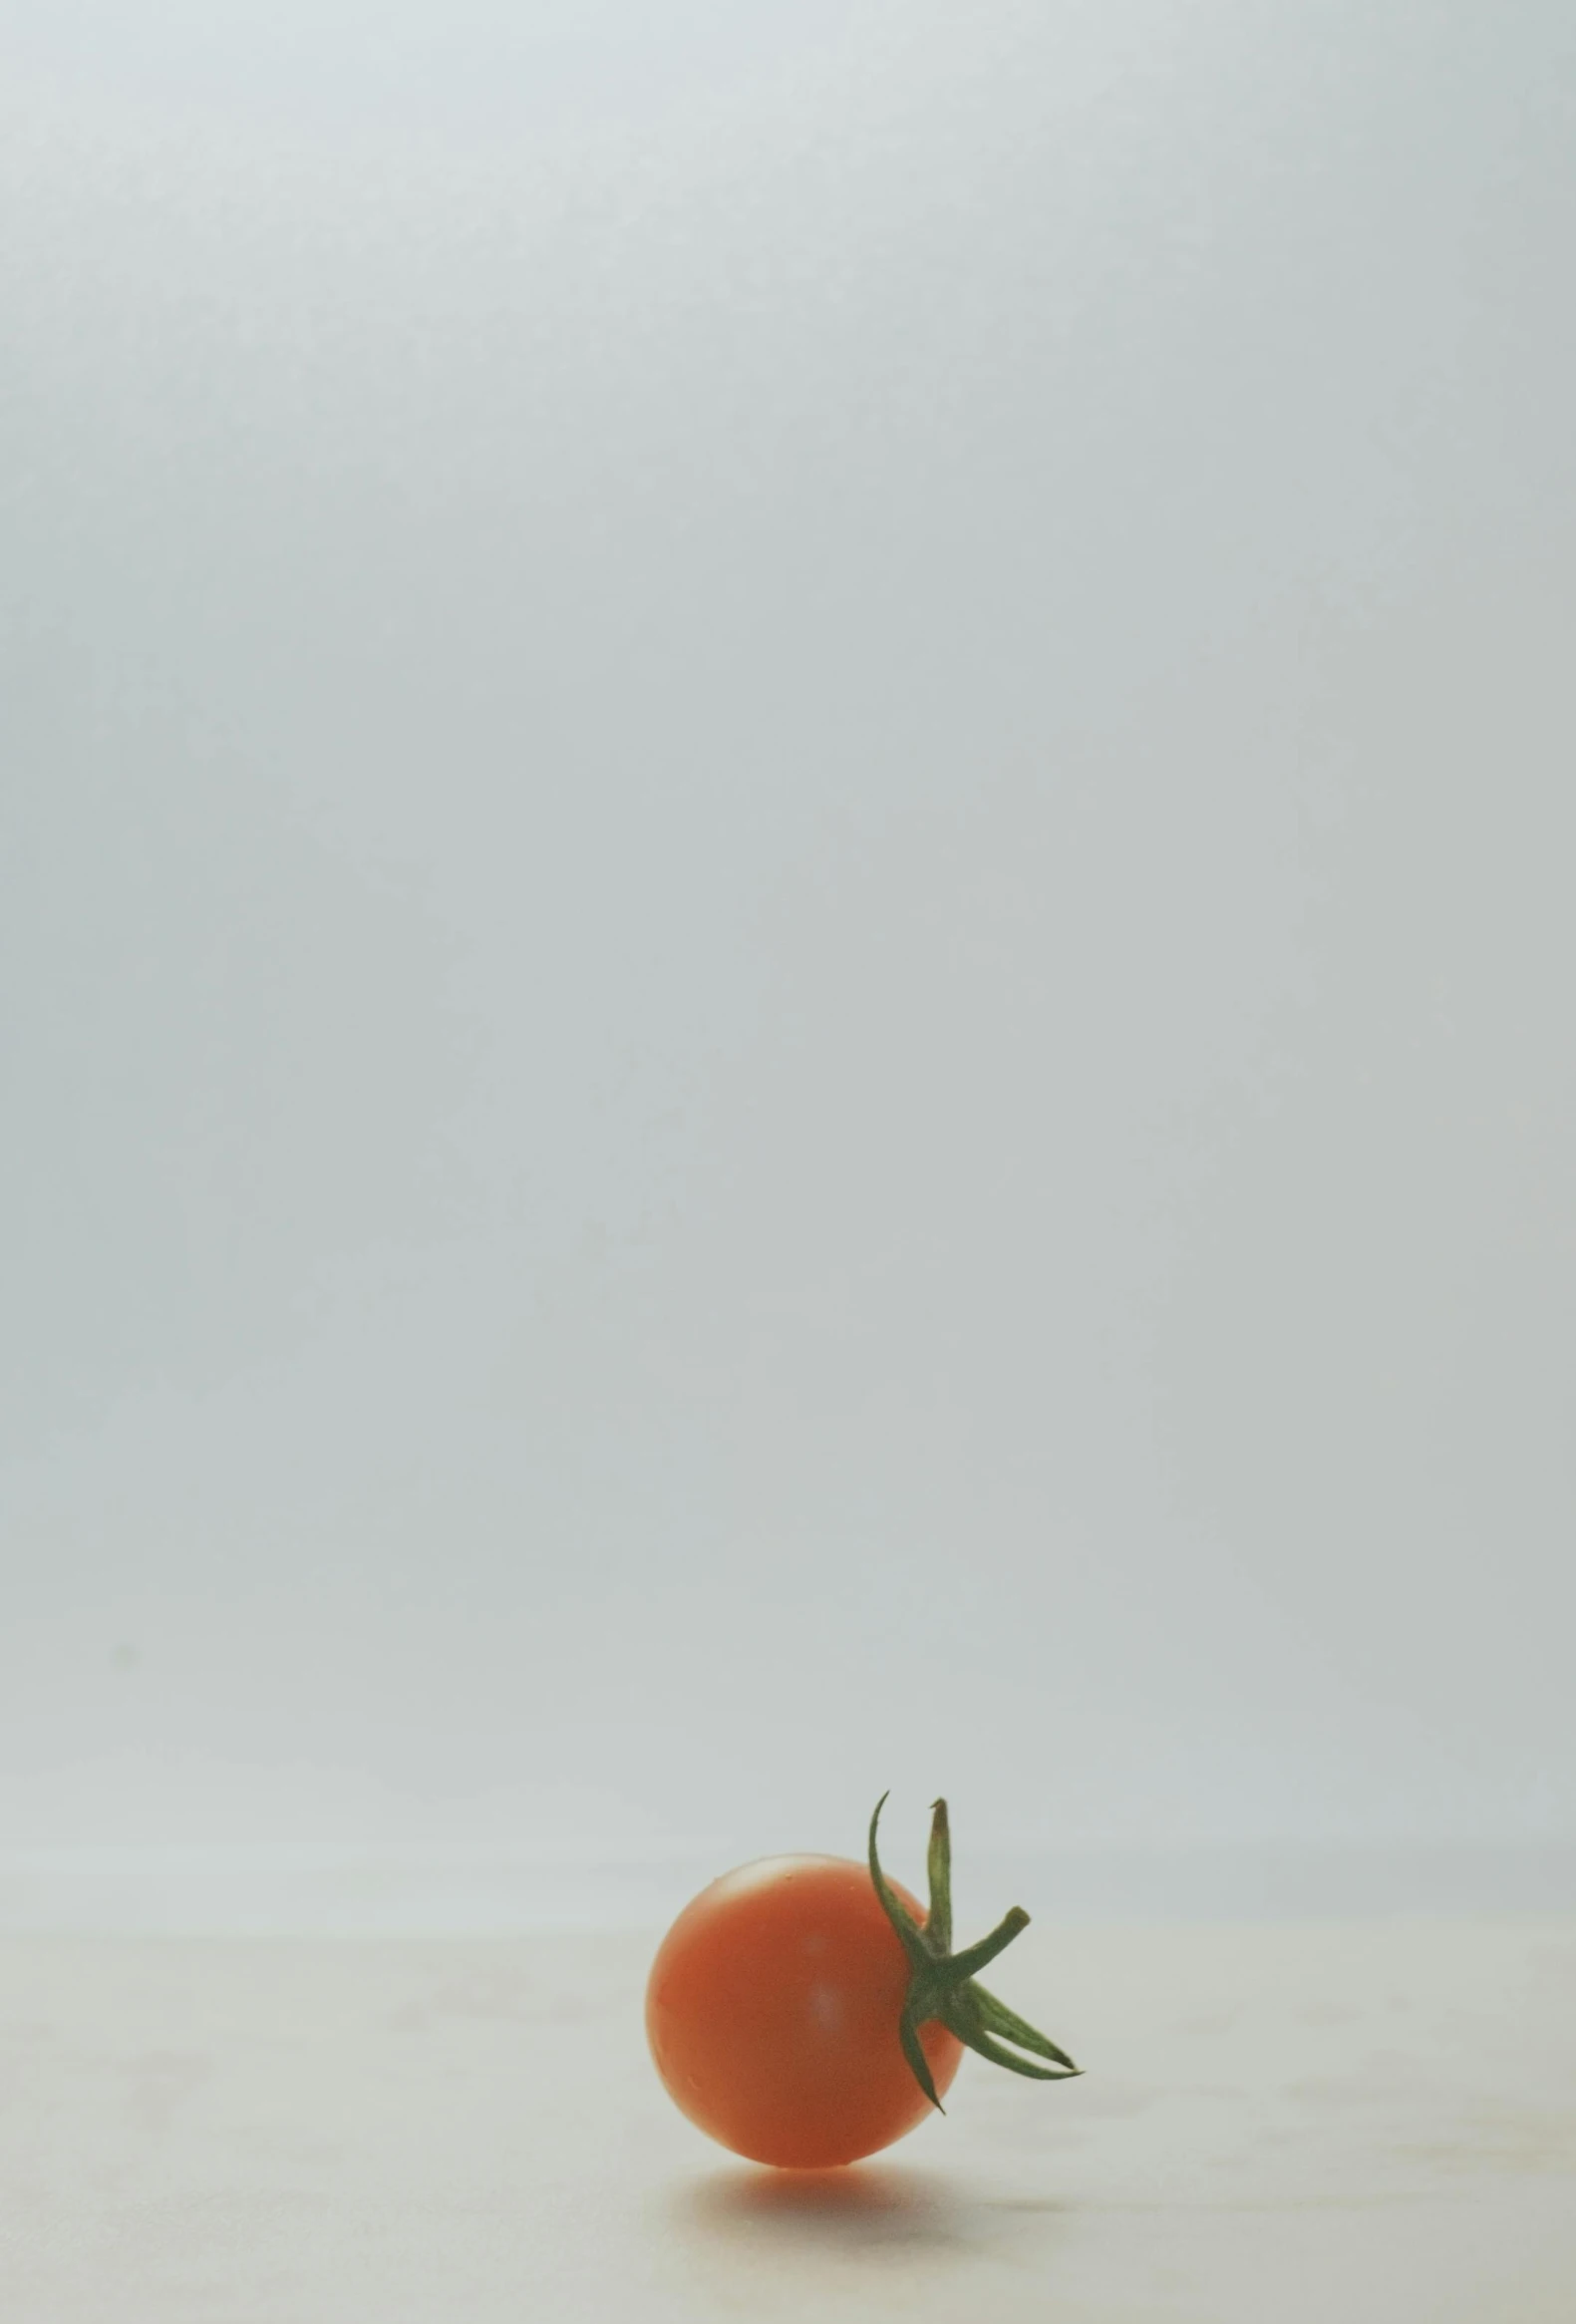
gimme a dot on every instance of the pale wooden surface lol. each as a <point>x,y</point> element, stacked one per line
<point>1372,2123</point>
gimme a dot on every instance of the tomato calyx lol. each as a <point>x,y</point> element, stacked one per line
<point>942,1983</point>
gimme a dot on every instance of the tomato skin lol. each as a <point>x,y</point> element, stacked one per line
<point>772,2011</point>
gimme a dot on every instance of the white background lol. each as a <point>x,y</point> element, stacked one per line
<point>786,928</point>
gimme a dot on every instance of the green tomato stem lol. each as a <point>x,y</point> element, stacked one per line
<point>942,1985</point>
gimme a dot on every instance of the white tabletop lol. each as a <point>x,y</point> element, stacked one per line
<point>1372,2122</point>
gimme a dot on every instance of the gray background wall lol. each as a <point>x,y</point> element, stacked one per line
<point>784,898</point>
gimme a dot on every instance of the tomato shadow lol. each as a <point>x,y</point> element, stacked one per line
<point>863,2207</point>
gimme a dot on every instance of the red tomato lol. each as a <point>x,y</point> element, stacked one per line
<point>772,2014</point>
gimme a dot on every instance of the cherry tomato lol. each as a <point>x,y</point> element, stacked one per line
<point>772,2013</point>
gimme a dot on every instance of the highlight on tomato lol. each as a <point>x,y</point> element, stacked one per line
<point>807,2011</point>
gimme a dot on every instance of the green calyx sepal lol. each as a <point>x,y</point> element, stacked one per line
<point>942,1983</point>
